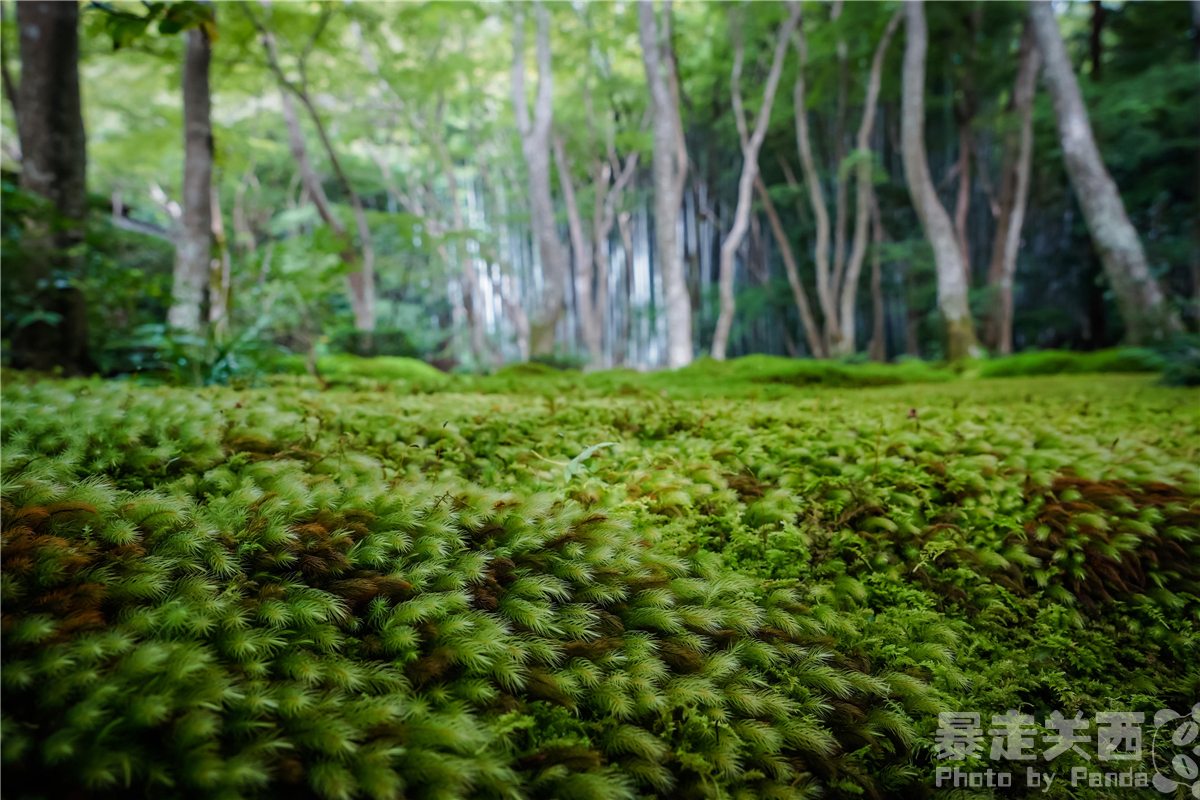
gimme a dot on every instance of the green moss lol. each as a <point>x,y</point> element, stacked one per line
<point>284,592</point>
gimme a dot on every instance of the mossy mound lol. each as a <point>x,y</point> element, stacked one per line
<point>287,592</point>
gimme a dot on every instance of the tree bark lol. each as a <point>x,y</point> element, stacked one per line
<point>964,113</point>
<point>469,278</point>
<point>53,166</point>
<point>535,145</point>
<point>864,190</point>
<point>193,249</point>
<point>878,346</point>
<point>669,173</point>
<point>221,270</point>
<point>840,186</point>
<point>360,282</point>
<point>1014,195</point>
<point>951,279</point>
<point>584,263</point>
<point>825,293</point>
<point>751,144</point>
<point>1140,298</point>
<point>812,333</point>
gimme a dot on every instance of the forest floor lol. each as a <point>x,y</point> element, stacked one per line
<point>694,584</point>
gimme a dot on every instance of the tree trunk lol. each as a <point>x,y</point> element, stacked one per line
<point>878,346</point>
<point>193,250</point>
<point>965,114</point>
<point>1014,198</point>
<point>221,270</point>
<point>360,283</point>
<point>862,212</point>
<point>53,166</point>
<point>751,144</point>
<point>535,144</point>
<point>825,293</point>
<point>840,187</point>
<point>468,274</point>
<point>1140,298</point>
<point>812,333</point>
<point>670,174</point>
<point>625,228</point>
<point>951,279</point>
<point>584,263</point>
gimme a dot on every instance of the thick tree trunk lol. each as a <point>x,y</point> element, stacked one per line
<point>751,144</point>
<point>812,333</point>
<point>54,166</point>
<point>670,173</point>
<point>862,212</point>
<point>1140,298</point>
<point>826,297</point>
<point>193,249</point>
<point>1014,194</point>
<point>951,279</point>
<point>535,144</point>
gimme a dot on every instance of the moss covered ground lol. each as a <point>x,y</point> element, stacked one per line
<point>757,579</point>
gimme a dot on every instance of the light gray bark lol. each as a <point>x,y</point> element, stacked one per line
<point>751,144</point>
<point>1140,298</point>
<point>826,295</point>
<point>816,344</point>
<point>361,281</point>
<point>670,173</point>
<point>581,246</point>
<point>220,269</point>
<point>1023,92</point>
<point>193,249</point>
<point>840,188</point>
<point>862,213</point>
<point>535,145</point>
<point>951,278</point>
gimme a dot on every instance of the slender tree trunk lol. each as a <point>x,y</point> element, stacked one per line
<point>535,144</point>
<point>1008,233</point>
<point>751,144</point>
<point>361,281</point>
<point>840,184</point>
<point>826,297</point>
<point>469,275</point>
<point>951,277</point>
<point>812,333</point>
<point>625,228</point>
<point>220,271</point>
<point>53,166</point>
<point>965,115</point>
<point>878,346</point>
<point>862,214</point>
<point>193,249</point>
<point>582,249</point>
<point>1146,314</point>
<point>670,173</point>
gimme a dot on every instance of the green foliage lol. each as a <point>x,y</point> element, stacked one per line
<point>1064,362</point>
<point>267,592</point>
